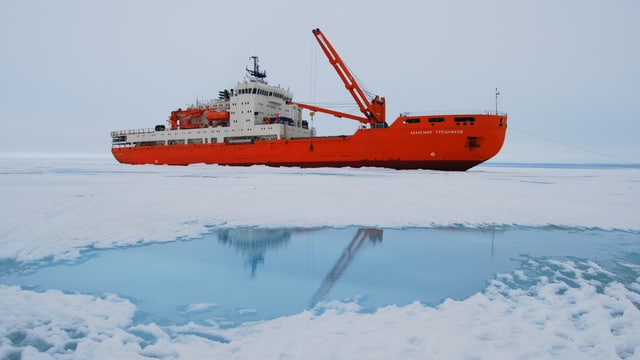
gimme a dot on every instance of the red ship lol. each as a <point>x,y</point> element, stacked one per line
<point>258,124</point>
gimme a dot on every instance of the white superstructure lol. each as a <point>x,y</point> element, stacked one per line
<point>253,110</point>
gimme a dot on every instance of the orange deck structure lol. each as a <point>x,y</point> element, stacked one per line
<point>238,129</point>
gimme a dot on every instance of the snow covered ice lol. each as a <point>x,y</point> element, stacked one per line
<point>58,210</point>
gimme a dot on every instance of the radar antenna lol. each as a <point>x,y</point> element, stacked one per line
<point>256,69</point>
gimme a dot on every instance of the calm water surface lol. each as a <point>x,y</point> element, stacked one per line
<point>235,275</point>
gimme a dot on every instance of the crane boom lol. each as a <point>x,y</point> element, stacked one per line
<point>331,112</point>
<point>374,110</point>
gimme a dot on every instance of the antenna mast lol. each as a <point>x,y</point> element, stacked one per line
<point>256,69</point>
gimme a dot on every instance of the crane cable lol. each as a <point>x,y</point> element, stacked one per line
<point>370,94</point>
<point>313,85</point>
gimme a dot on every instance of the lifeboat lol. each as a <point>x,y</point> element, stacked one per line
<point>213,115</point>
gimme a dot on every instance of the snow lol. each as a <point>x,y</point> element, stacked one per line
<point>59,209</point>
<point>54,209</point>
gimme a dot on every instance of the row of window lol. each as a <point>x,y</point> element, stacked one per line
<point>264,92</point>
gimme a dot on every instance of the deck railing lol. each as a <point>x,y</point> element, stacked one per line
<point>131,132</point>
<point>453,112</point>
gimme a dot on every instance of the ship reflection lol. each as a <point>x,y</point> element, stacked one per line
<point>253,244</point>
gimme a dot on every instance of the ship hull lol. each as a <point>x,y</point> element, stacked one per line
<point>450,146</point>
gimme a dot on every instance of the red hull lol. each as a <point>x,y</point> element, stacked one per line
<point>406,144</point>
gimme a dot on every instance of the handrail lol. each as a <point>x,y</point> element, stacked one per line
<point>133,131</point>
<point>456,112</point>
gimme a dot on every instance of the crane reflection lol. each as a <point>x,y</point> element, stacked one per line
<point>373,235</point>
<point>253,244</point>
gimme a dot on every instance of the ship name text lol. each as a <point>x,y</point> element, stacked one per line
<point>438,132</point>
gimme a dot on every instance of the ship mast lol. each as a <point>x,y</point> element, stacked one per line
<point>372,109</point>
<point>256,69</point>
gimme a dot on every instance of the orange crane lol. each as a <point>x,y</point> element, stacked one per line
<point>373,109</point>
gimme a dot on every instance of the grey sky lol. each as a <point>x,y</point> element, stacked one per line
<point>567,71</point>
